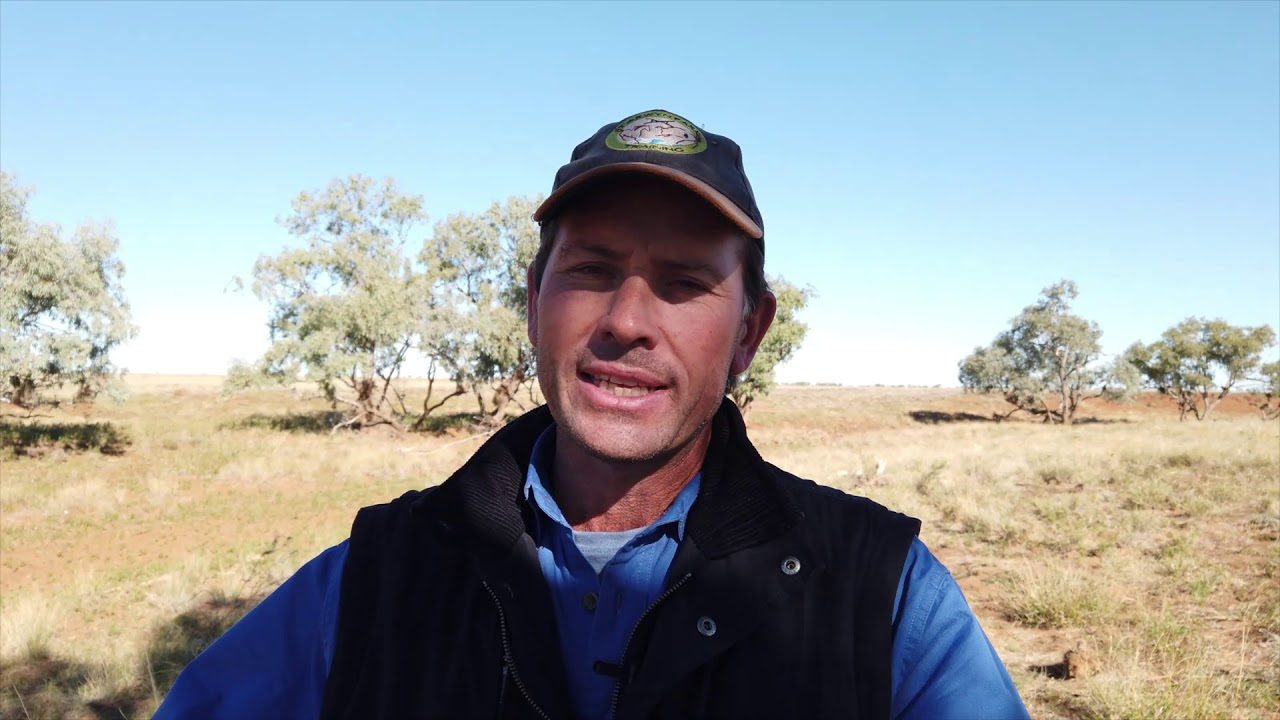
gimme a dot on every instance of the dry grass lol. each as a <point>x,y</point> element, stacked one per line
<point>1053,596</point>
<point>27,625</point>
<point>1156,543</point>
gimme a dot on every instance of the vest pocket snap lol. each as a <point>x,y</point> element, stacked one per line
<point>790,566</point>
<point>706,626</point>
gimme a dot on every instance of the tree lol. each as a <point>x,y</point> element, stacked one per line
<point>1269,404</point>
<point>1197,362</point>
<point>344,306</point>
<point>1048,352</point>
<point>244,377</point>
<point>780,343</point>
<point>481,296</point>
<point>62,308</point>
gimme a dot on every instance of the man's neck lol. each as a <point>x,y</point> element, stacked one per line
<point>596,495</point>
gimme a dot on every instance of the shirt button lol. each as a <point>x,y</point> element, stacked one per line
<point>590,600</point>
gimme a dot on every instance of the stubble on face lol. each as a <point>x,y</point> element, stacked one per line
<point>616,438</point>
<point>645,281</point>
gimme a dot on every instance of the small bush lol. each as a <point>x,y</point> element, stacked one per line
<point>1051,598</point>
<point>930,478</point>
<point>242,377</point>
<point>1181,460</point>
<point>1057,474</point>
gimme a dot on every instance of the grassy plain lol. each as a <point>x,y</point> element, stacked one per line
<point>1126,567</point>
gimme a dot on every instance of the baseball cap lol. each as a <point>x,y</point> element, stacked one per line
<point>662,143</point>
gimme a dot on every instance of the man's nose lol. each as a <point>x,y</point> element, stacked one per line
<point>630,320</point>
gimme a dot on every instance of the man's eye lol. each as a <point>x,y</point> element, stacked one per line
<point>688,284</point>
<point>589,270</point>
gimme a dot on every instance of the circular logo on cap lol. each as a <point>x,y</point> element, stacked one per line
<point>657,130</point>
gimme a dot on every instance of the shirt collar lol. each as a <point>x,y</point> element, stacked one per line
<point>538,492</point>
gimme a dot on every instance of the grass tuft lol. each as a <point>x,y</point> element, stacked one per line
<point>27,626</point>
<point>1052,597</point>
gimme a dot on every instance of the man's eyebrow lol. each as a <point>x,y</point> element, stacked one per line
<point>696,267</point>
<point>693,266</point>
<point>588,248</point>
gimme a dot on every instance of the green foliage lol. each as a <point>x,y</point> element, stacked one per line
<point>1197,362</point>
<point>477,308</point>
<point>1271,377</point>
<point>243,377</point>
<point>343,306</point>
<point>1048,352</point>
<point>779,344</point>
<point>62,310</point>
<point>352,305</point>
<point>1269,403</point>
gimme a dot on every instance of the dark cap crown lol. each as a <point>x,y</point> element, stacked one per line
<point>663,143</point>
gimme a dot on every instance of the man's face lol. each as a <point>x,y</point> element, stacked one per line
<point>639,320</point>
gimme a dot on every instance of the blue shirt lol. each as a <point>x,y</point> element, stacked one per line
<point>596,609</point>
<point>274,663</point>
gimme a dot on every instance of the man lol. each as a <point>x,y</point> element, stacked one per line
<point>623,552</point>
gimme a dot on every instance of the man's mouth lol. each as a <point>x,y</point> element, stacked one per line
<point>622,387</point>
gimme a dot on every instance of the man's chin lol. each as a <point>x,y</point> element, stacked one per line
<point>619,444</point>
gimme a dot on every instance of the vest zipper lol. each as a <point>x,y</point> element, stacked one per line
<point>627,670</point>
<point>502,690</point>
<point>509,658</point>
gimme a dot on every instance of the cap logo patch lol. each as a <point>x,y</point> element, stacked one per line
<point>657,130</point>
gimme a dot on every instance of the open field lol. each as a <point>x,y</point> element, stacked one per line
<point>1147,547</point>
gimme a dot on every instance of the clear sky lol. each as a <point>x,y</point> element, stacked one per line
<point>927,167</point>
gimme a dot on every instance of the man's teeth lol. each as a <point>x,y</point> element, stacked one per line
<point>608,385</point>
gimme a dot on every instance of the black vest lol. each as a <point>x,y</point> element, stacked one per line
<point>778,604</point>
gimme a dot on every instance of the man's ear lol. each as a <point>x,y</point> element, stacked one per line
<point>531,306</point>
<point>754,327</point>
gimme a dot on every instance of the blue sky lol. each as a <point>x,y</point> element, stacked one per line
<point>927,167</point>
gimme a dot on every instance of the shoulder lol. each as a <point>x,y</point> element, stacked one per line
<point>854,535</point>
<point>390,523</point>
<point>944,664</point>
<point>826,504</point>
<point>394,511</point>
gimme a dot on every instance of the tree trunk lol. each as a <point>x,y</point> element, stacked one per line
<point>24,392</point>
<point>85,394</point>
<point>503,393</point>
<point>459,388</point>
<point>364,402</point>
<point>1048,414</point>
<point>1195,407</point>
<point>1208,407</point>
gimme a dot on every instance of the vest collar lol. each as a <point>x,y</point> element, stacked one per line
<point>740,505</point>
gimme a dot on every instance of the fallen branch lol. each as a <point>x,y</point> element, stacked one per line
<point>449,444</point>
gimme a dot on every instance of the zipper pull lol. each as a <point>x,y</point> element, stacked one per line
<point>502,689</point>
